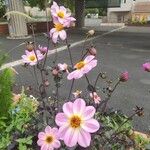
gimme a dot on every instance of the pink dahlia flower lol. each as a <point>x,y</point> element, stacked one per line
<point>30,57</point>
<point>95,97</point>
<point>61,14</point>
<point>48,140</point>
<point>76,123</point>
<point>83,67</point>
<point>146,67</point>
<point>58,32</point>
<point>124,76</point>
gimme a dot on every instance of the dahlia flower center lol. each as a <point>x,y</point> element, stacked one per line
<point>49,139</point>
<point>75,121</point>
<point>61,14</point>
<point>80,65</point>
<point>59,27</point>
<point>32,58</point>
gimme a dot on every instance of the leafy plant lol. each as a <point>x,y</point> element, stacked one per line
<point>15,129</point>
<point>141,142</point>
<point>6,81</point>
<point>2,8</point>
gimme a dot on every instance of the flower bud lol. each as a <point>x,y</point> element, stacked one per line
<point>124,76</point>
<point>146,67</point>
<point>91,32</point>
<point>30,46</point>
<point>46,82</point>
<point>93,51</point>
<point>55,72</point>
<point>16,98</point>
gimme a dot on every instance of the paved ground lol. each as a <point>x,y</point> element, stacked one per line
<point>116,52</point>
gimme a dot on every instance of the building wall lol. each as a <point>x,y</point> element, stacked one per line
<point>120,14</point>
<point>124,12</point>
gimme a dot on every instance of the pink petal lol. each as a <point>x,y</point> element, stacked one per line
<point>75,75</point>
<point>63,34</point>
<point>54,131</point>
<point>79,106</point>
<point>50,148</point>
<point>42,135</point>
<point>68,109</point>
<point>60,119</point>
<point>28,53</point>
<point>84,138</point>
<point>45,147</point>
<point>93,63</point>
<point>60,20</point>
<point>91,125</point>
<point>71,137</point>
<point>48,130</point>
<point>62,131</point>
<point>40,142</point>
<point>24,56</point>
<point>56,144</point>
<point>55,37</point>
<point>86,68</point>
<point>89,112</point>
<point>89,58</point>
<point>54,7</point>
<point>63,9</point>
<point>33,63</point>
<point>68,15</point>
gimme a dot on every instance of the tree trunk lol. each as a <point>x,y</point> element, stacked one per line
<point>79,13</point>
<point>16,23</point>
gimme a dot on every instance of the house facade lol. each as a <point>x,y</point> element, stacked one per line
<point>129,9</point>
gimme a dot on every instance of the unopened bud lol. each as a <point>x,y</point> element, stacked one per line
<point>124,76</point>
<point>55,72</point>
<point>93,51</point>
<point>91,32</point>
<point>30,46</point>
<point>46,83</point>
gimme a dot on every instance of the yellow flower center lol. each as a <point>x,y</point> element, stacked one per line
<point>32,58</point>
<point>49,139</point>
<point>80,65</point>
<point>61,14</point>
<point>75,121</point>
<point>59,27</point>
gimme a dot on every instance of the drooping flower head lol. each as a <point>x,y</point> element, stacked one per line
<point>63,67</point>
<point>124,76</point>
<point>146,67</point>
<point>30,57</point>
<point>95,97</point>
<point>42,49</point>
<point>76,123</point>
<point>49,139</point>
<point>58,32</point>
<point>83,67</point>
<point>91,32</point>
<point>61,14</point>
<point>77,93</point>
<point>92,51</point>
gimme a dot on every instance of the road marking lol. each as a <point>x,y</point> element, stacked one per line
<point>140,50</point>
<point>145,81</point>
<point>19,62</point>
